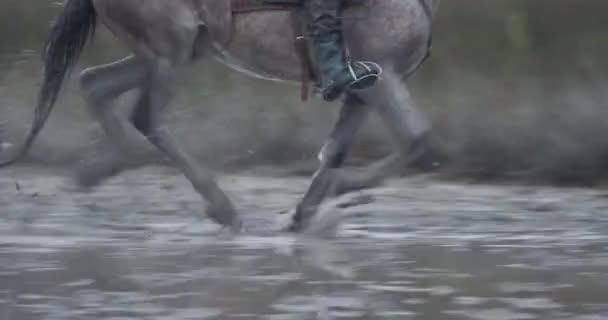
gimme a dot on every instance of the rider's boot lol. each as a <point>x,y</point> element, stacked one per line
<point>336,73</point>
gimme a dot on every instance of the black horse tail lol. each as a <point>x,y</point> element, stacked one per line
<point>67,38</point>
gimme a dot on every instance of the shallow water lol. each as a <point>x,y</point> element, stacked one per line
<point>138,248</point>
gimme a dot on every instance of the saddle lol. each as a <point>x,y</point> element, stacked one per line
<point>217,15</point>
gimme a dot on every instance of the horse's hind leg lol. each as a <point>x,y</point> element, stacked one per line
<point>100,86</point>
<point>148,119</point>
<point>168,50</point>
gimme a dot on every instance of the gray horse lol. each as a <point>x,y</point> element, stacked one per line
<point>166,35</point>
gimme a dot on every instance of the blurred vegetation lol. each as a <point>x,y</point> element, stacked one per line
<point>515,88</point>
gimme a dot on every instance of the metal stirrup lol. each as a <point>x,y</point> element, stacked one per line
<point>365,65</point>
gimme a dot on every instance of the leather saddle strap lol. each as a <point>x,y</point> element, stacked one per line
<point>247,6</point>
<point>301,45</point>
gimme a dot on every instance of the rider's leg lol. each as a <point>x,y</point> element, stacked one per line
<point>336,73</point>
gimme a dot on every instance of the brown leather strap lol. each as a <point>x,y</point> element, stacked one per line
<point>247,6</point>
<point>301,46</point>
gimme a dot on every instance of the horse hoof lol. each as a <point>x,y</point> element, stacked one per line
<point>426,157</point>
<point>90,175</point>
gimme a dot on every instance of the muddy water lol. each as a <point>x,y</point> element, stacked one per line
<point>137,248</point>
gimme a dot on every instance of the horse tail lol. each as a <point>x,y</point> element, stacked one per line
<point>67,38</point>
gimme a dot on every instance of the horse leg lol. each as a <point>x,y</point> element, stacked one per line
<point>408,127</point>
<point>164,37</point>
<point>406,124</point>
<point>332,156</point>
<point>148,119</point>
<point>100,86</point>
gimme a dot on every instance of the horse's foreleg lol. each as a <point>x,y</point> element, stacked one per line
<point>327,179</point>
<point>408,127</point>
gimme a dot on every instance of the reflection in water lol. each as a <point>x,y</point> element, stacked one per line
<point>442,252</point>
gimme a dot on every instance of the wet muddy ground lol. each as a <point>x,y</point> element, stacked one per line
<point>138,247</point>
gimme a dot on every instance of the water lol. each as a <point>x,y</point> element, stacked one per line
<point>138,247</point>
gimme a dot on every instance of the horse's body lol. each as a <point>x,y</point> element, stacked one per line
<point>383,24</point>
<point>166,35</point>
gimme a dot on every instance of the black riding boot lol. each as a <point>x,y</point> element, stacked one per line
<point>336,74</point>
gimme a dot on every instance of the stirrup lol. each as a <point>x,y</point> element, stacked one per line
<point>360,83</point>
